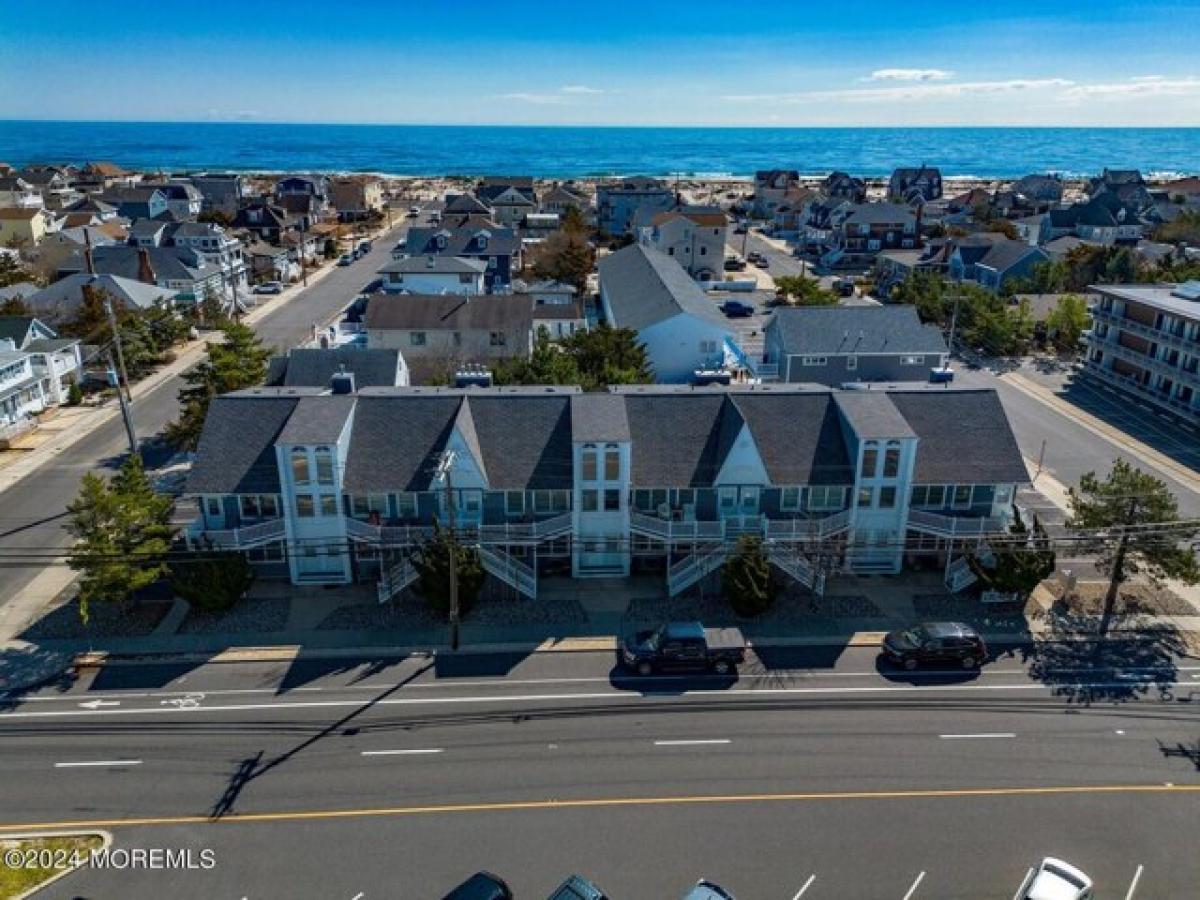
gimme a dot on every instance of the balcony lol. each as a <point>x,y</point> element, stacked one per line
<point>265,532</point>
<point>527,532</point>
<point>676,531</point>
<point>1123,323</point>
<point>955,526</point>
<point>386,535</point>
<point>808,529</point>
<point>1182,408</point>
<point>732,527</point>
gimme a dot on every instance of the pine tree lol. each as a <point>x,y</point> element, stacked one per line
<point>432,562</point>
<point>747,578</point>
<point>565,256</point>
<point>122,533</point>
<point>1129,518</point>
<point>240,361</point>
<point>212,580</point>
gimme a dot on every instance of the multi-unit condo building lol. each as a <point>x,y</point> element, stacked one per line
<point>1145,339</point>
<point>336,486</point>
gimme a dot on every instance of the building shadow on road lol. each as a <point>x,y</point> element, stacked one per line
<point>24,669</point>
<point>1084,669</point>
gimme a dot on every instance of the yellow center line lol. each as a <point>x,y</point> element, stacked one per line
<point>602,802</point>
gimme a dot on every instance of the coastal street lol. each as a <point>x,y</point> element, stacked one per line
<point>422,770</point>
<point>33,510</point>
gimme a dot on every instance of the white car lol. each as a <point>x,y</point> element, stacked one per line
<point>1056,880</point>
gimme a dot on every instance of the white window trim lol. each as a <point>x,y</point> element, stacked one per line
<point>813,360</point>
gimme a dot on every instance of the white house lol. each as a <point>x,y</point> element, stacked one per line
<point>680,326</point>
<point>430,274</point>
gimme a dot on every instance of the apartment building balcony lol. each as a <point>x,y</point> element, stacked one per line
<point>941,525</point>
<point>673,531</point>
<point>242,538</point>
<point>1124,323</point>
<point>1173,370</point>
<point>1183,408</point>
<point>386,535</point>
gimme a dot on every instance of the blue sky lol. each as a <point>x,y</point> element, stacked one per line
<point>1012,62</point>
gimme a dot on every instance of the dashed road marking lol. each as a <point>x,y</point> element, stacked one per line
<point>692,743</point>
<point>912,890</point>
<point>104,763</point>
<point>1137,876</point>
<point>992,734</point>
<point>422,752</point>
<point>805,887</point>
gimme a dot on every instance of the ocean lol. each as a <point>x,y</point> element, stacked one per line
<point>572,152</point>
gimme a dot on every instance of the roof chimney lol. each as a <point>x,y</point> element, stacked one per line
<point>145,270</point>
<point>342,381</point>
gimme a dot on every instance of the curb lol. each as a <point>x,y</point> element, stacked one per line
<point>106,840</point>
<point>96,660</point>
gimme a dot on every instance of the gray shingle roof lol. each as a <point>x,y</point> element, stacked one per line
<point>964,437</point>
<point>1005,254</point>
<point>313,367</point>
<point>526,440</point>
<point>463,241</point>
<point>675,438</point>
<point>872,415</point>
<point>798,435</point>
<point>435,265</point>
<point>599,417</point>
<point>317,420</point>
<point>644,286</point>
<point>236,454</point>
<point>833,330</point>
<point>66,294</point>
<point>396,441</point>
<point>432,312</point>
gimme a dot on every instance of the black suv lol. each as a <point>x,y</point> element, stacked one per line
<point>936,643</point>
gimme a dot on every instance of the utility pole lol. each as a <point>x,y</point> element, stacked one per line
<point>1041,459</point>
<point>112,322</point>
<point>444,470</point>
<point>304,255</point>
<point>125,413</point>
<point>954,321</point>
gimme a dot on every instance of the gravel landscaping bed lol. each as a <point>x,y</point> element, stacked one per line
<point>495,607</point>
<point>713,609</point>
<point>1134,600</point>
<point>104,620</point>
<point>251,614</point>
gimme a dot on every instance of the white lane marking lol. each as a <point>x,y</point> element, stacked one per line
<point>500,682</point>
<point>96,704</point>
<point>403,752</point>
<point>807,885</point>
<point>686,696</point>
<point>693,743</point>
<point>1119,730</point>
<point>360,894</point>
<point>993,734</point>
<point>98,762</point>
<point>912,890</point>
<point>1024,884</point>
<point>1137,876</point>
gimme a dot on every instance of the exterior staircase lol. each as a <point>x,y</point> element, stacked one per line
<point>510,570</point>
<point>395,577</point>
<point>794,563</point>
<point>689,570</point>
<point>959,575</point>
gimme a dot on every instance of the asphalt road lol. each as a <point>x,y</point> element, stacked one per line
<point>399,777</point>
<point>32,511</point>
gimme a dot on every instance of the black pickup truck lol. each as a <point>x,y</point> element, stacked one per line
<point>684,647</point>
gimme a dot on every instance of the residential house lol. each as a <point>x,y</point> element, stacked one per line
<point>60,301</point>
<point>837,345</point>
<point>678,324</point>
<point>138,202</point>
<point>431,274</point>
<point>270,263</point>
<point>1110,179</point>
<point>1039,190</point>
<point>184,200</point>
<point>694,236</point>
<point>497,247</point>
<point>562,197</point>
<point>546,292</point>
<point>220,192</point>
<point>464,205</point>
<point>21,396</point>
<point>438,333</point>
<point>560,320</point>
<point>1104,219</point>
<point>992,260</point>
<point>318,367</point>
<point>16,192</point>
<point>211,242</point>
<point>1145,340</point>
<point>52,182</point>
<point>915,186</point>
<point>55,362</point>
<point>772,188</point>
<point>892,267</point>
<point>105,175</point>
<point>617,202</point>
<point>180,269</point>
<point>22,227</point>
<point>859,233</point>
<point>792,217</point>
<point>356,197</point>
<point>842,186</point>
<point>509,199</point>
<point>105,212</point>
<point>303,195</point>
<point>317,486</point>
<point>267,221</point>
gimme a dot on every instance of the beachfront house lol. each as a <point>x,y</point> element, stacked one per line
<point>619,203</point>
<point>694,236</point>
<point>915,186</point>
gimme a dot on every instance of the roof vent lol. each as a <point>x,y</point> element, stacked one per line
<point>1189,290</point>
<point>473,376</point>
<point>342,381</point>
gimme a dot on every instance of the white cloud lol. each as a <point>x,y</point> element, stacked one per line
<point>909,91</point>
<point>1142,86</point>
<point>534,98</point>
<point>909,75</point>
<point>579,89</point>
